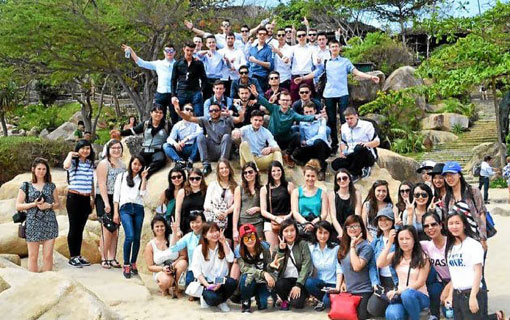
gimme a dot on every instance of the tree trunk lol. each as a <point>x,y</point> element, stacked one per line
<point>118,112</point>
<point>4,124</point>
<point>502,148</point>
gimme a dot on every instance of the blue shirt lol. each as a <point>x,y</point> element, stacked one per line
<point>265,55</point>
<point>190,241</point>
<point>164,69</point>
<point>214,65</point>
<point>315,130</point>
<point>81,179</point>
<point>258,139</point>
<point>184,129</point>
<point>234,87</point>
<point>325,262</point>
<point>378,246</point>
<point>337,70</point>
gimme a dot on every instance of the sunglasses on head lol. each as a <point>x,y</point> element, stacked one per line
<point>249,237</point>
<point>342,178</point>
<point>179,176</point>
<point>421,194</point>
<point>195,178</point>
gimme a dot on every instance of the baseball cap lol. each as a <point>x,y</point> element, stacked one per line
<point>451,167</point>
<point>246,228</point>
<point>427,164</point>
<point>385,212</point>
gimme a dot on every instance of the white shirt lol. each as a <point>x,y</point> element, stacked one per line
<point>283,68</point>
<point>126,194</point>
<point>486,170</point>
<point>212,268</point>
<point>363,131</point>
<point>291,270</point>
<point>319,56</point>
<point>237,58</point>
<point>301,59</point>
<point>462,259</point>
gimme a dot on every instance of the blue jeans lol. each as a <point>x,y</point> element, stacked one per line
<point>413,302</point>
<point>195,98</point>
<point>190,151</point>
<point>214,298</point>
<point>332,110</point>
<point>435,288</point>
<point>189,277</point>
<point>165,99</point>
<point>484,182</point>
<point>314,286</point>
<point>131,216</point>
<point>258,290</point>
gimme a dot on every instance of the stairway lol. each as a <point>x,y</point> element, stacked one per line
<point>461,150</point>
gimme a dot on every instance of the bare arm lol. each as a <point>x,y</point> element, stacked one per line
<point>294,205</point>
<point>422,276</point>
<point>178,207</point>
<point>324,205</point>
<point>190,26</point>
<point>332,213</point>
<point>181,114</point>
<point>101,172</point>
<point>20,202</point>
<point>237,210</point>
<point>366,76</point>
<point>357,209</point>
<point>357,262</point>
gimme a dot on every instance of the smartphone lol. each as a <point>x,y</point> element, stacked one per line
<point>220,280</point>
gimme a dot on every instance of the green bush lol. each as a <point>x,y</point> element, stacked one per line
<point>17,153</point>
<point>453,105</point>
<point>42,117</point>
<point>498,183</point>
<point>380,49</point>
<point>408,141</point>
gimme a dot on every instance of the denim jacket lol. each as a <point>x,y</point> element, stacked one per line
<point>378,246</point>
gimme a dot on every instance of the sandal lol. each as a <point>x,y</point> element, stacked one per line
<point>105,264</point>
<point>114,263</point>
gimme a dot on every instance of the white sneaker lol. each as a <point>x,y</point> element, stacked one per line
<point>203,304</point>
<point>224,307</point>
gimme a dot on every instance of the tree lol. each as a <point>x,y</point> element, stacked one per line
<point>480,57</point>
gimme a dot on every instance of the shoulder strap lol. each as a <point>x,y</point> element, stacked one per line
<point>408,274</point>
<point>270,204</point>
<point>25,189</point>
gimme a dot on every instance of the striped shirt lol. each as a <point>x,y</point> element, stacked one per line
<point>81,179</point>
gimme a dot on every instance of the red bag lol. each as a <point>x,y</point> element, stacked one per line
<point>344,306</point>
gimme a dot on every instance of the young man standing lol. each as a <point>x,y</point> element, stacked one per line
<point>357,149</point>
<point>214,63</point>
<point>219,98</point>
<point>258,144</point>
<point>281,61</point>
<point>322,53</point>
<point>302,63</point>
<point>188,79</point>
<point>164,70</point>
<point>486,172</point>
<point>336,92</point>
<point>261,59</point>
<point>236,58</point>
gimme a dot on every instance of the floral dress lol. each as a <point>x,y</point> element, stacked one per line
<point>41,225</point>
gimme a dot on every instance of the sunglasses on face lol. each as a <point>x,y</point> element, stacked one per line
<point>301,35</point>
<point>249,237</point>
<point>342,178</point>
<point>244,30</point>
<point>214,110</point>
<point>279,35</point>
<point>195,178</point>
<point>405,190</point>
<point>312,34</point>
<point>243,72</point>
<point>432,225</point>
<point>288,31</point>
<point>176,177</point>
<point>304,92</point>
<point>262,34</point>
<point>169,50</point>
<point>188,109</point>
<point>273,78</point>
<point>421,194</point>
<point>247,172</point>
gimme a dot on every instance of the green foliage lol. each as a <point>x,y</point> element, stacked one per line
<point>409,141</point>
<point>42,117</point>
<point>457,129</point>
<point>17,153</point>
<point>380,49</point>
<point>453,105</point>
<point>498,183</point>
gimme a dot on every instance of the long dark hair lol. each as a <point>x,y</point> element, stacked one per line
<point>417,255</point>
<point>169,192</point>
<point>270,179</point>
<point>203,185</point>
<point>352,189</point>
<point>244,184</point>
<point>80,144</point>
<point>205,243</point>
<point>432,213</point>
<point>111,144</point>
<point>287,223</point>
<point>160,218</point>
<point>245,254</point>
<point>372,200</point>
<point>425,188</point>
<point>232,184</point>
<point>345,242</point>
<point>465,191</point>
<point>401,205</point>
<point>130,177</point>
<point>450,238</point>
<point>330,243</point>
<point>47,176</point>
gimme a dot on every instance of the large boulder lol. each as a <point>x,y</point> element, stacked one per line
<point>7,209</point>
<point>363,91</point>
<point>9,190</point>
<point>14,258</point>
<point>64,132</point>
<point>482,150</point>
<point>49,295</point>
<point>437,137</point>
<point>402,78</point>
<point>10,243</point>
<point>134,145</point>
<point>77,116</point>
<point>444,121</point>
<point>44,133</point>
<point>89,246</point>
<point>399,167</point>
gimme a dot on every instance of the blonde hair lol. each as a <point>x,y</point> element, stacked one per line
<point>314,165</point>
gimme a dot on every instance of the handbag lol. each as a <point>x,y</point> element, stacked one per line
<point>194,289</point>
<point>344,306</point>
<point>21,216</point>
<point>108,223</point>
<point>181,284</point>
<point>22,230</point>
<point>489,225</point>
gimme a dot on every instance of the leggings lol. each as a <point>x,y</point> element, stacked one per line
<point>284,286</point>
<point>78,210</point>
<point>131,215</point>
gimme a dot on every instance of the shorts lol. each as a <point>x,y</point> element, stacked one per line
<point>267,226</point>
<point>155,276</point>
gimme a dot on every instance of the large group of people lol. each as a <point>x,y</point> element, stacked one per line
<point>277,243</point>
